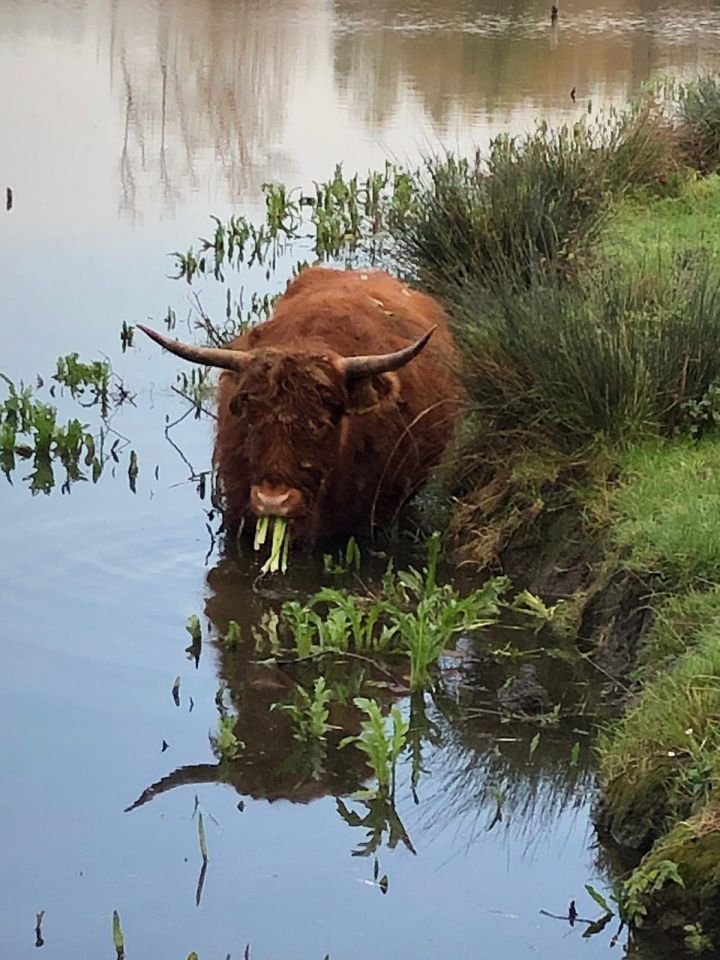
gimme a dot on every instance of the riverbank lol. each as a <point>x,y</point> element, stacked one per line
<point>638,571</point>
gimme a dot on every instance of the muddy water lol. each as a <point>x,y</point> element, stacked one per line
<point>123,125</point>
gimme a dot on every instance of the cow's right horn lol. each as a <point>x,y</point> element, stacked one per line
<point>208,356</point>
<point>357,367</point>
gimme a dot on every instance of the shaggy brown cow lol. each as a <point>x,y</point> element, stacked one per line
<point>333,411</point>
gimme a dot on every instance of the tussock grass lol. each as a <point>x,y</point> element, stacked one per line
<point>531,206</point>
<point>617,355</point>
<point>699,122</point>
<point>679,621</point>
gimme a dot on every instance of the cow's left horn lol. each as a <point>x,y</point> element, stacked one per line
<point>357,367</point>
<point>208,356</point>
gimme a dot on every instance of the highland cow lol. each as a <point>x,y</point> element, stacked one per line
<point>333,411</point>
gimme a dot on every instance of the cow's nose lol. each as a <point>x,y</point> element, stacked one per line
<point>275,501</point>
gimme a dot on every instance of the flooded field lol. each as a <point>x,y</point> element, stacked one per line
<point>124,126</point>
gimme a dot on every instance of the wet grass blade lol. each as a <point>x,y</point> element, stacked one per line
<point>201,838</point>
<point>598,898</point>
<point>118,938</point>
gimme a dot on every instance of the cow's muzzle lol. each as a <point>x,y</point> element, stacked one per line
<point>276,501</point>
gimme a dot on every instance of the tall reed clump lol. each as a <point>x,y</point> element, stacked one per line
<point>534,204</point>
<point>698,120</point>
<point>615,355</point>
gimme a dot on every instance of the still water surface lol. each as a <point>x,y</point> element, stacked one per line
<point>124,124</point>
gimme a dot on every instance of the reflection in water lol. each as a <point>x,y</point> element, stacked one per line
<point>213,98</point>
<point>210,90</point>
<point>483,772</point>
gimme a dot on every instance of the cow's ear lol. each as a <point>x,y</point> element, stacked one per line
<point>369,393</point>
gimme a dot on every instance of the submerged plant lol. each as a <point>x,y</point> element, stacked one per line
<point>225,742</point>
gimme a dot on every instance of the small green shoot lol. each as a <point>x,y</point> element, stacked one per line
<point>118,937</point>
<point>225,743</point>
<point>310,714</point>
<point>233,636</point>
<point>193,628</point>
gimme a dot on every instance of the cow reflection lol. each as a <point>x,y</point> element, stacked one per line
<point>273,764</point>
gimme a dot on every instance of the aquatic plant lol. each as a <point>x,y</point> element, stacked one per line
<point>413,617</point>
<point>280,546</point>
<point>29,429</point>
<point>224,742</point>
<point>80,377</point>
<point>309,713</point>
<point>118,936</point>
<point>382,742</point>
<point>347,560</point>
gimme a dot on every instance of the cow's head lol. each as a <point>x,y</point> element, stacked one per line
<point>294,408</point>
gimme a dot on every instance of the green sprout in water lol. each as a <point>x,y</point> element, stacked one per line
<point>225,742</point>
<point>310,714</point>
<point>381,742</point>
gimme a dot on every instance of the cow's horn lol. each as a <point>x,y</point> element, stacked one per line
<point>357,367</point>
<point>208,356</point>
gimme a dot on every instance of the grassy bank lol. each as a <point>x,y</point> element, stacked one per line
<point>591,336</point>
<point>659,766</point>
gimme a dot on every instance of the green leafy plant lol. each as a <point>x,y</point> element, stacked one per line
<point>80,377</point>
<point>225,743</point>
<point>696,940</point>
<point>29,429</point>
<point>382,742</point>
<point>310,712</point>
<point>642,883</point>
<point>413,617</point>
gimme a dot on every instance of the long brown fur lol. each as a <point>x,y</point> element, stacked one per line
<point>355,450</point>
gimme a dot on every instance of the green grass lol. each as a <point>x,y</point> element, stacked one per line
<point>679,620</point>
<point>659,771</point>
<point>658,232</point>
<point>666,510</point>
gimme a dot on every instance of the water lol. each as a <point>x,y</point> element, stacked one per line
<point>124,125</point>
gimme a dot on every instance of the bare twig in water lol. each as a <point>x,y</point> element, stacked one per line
<point>287,662</point>
<point>38,931</point>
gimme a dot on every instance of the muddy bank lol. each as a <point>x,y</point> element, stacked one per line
<point>653,638</point>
